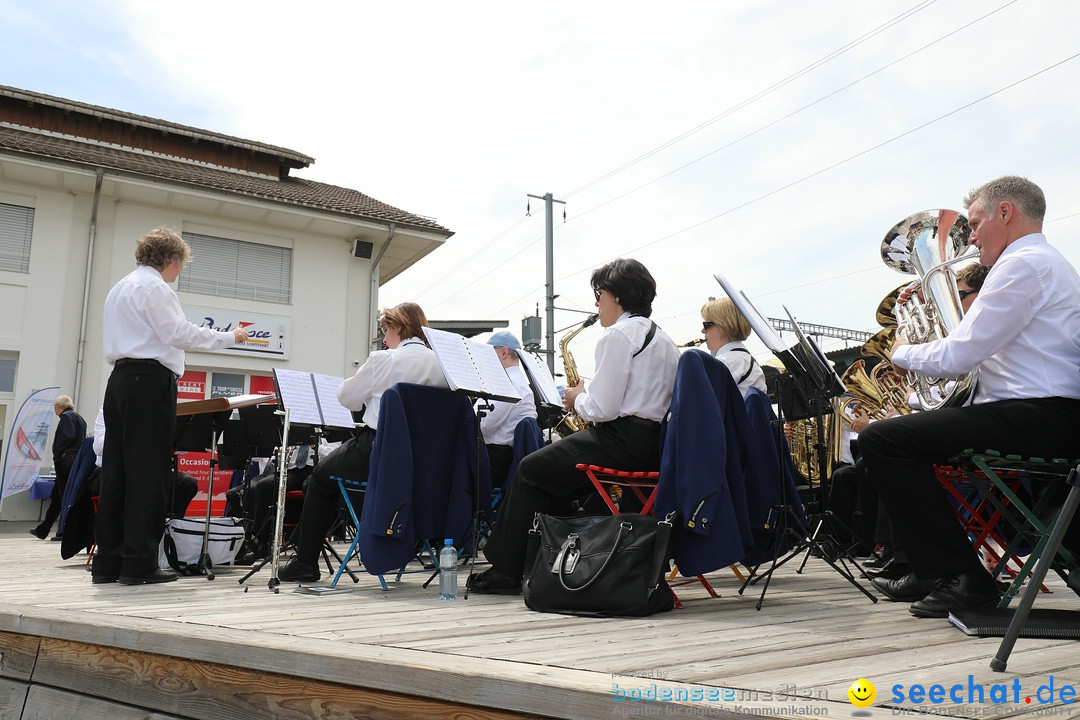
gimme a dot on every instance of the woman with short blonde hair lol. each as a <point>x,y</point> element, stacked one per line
<point>725,328</point>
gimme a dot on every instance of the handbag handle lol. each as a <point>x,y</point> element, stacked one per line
<point>571,542</point>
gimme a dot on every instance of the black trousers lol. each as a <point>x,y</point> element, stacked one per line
<point>500,458</point>
<point>900,452</point>
<point>260,501</point>
<point>140,414</point>
<point>547,478</point>
<point>321,496</point>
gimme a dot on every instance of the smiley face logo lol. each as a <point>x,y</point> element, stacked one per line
<point>862,693</point>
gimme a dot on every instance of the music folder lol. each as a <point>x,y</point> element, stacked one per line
<point>312,399</point>
<point>471,367</point>
<point>540,378</point>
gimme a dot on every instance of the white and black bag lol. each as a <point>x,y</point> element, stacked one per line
<point>181,544</point>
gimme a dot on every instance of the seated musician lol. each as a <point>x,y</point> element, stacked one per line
<point>407,359</point>
<point>628,397</point>
<point>725,329</point>
<point>498,424</point>
<point>1021,335</point>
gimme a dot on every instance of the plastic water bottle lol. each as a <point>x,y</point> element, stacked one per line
<point>448,571</point>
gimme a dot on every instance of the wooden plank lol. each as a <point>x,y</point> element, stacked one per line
<point>206,691</point>
<point>17,655</point>
<point>12,698</point>
<point>45,703</point>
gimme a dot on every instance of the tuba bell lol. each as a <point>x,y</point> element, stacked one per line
<point>930,244</point>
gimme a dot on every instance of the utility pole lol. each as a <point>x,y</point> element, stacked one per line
<point>549,231</point>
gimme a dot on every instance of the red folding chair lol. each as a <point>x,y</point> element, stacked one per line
<point>609,484</point>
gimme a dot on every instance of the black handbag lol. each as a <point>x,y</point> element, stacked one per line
<point>602,566</point>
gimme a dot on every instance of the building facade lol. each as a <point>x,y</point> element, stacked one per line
<point>298,262</point>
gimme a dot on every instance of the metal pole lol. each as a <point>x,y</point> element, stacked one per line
<point>549,232</point>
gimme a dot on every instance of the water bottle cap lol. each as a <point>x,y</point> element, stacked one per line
<point>448,541</point>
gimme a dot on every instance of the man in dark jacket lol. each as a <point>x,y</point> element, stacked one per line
<point>70,433</point>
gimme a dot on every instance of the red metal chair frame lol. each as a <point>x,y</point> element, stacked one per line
<point>639,482</point>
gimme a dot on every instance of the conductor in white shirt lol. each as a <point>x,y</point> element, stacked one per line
<point>1022,334</point>
<point>146,334</point>
<point>498,424</point>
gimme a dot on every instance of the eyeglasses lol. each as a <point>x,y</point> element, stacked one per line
<point>706,325</point>
<point>964,293</point>
<point>596,293</point>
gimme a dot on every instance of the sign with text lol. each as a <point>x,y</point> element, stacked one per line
<point>262,385</point>
<point>269,334</point>
<point>197,464</point>
<point>191,385</point>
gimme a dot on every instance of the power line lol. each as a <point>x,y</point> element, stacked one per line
<point>757,96</point>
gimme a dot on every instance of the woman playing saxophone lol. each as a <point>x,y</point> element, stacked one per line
<point>627,398</point>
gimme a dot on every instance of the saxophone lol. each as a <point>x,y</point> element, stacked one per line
<point>571,422</point>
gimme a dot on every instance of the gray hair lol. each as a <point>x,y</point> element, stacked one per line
<point>63,401</point>
<point>1021,192</point>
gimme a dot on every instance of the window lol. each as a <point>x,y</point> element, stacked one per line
<point>7,374</point>
<point>16,228</point>
<point>237,269</point>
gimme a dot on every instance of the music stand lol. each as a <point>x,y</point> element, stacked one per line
<point>811,383</point>
<point>472,368</point>
<point>198,426</point>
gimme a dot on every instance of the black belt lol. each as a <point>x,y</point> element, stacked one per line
<point>144,361</point>
<point>635,420</point>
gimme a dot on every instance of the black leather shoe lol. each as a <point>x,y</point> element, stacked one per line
<point>892,570</point>
<point>158,576</point>
<point>906,589</point>
<point>39,533</point>
<point>879,558</point>
<point>296,571</point>
<point>493,582</point>
<point>102,579</point>
<point>966,591</point>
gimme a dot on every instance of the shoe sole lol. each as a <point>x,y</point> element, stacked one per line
<point>103,579</point>
<point>921,613</point>
<point>123,580</point>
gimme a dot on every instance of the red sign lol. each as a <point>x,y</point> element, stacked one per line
<point>197,464</point>
<point>262,385</point>
<point>191,386</point>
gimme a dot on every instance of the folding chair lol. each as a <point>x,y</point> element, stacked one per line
<point>991,471</point>
<point>609,484</point>
<point>1048,549</point>
<point>980,519</point>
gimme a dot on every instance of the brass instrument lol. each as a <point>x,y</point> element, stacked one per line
<point>884,314</point>
<point>571,422</point>
<point>929,244</point>
<point>884,376</point>
<point>863,390</point>
<point>692,343</point>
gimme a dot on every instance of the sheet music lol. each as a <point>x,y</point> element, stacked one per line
<point>334,413</point>
<point>757,321</point>
<point>470,366</point>
<point>540,377</point>
<point>311,398</point>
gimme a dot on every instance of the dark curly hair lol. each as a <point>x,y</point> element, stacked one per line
<point>630,282</point>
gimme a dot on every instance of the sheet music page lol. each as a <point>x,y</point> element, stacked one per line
<point>296,392</point>
<point>334,413</point>
<point>540,377</point>
<point>470,366</point>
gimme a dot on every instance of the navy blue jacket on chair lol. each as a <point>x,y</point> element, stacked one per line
<point>76,510</point>
<point>770,480</point>
<point>422,472</point>
<point>702,466</point>
<point>528,437</point>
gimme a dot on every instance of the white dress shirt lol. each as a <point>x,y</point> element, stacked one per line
<point>411,361</point>
<point>1022,332</point>
<point>627,386</point>
<point>738,360</point>
<point>143,319</point>
<point>497,426</point>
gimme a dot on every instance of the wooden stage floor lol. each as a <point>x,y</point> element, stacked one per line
<point>218,650</point>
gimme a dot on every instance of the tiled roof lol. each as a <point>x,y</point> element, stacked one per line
<point>290,190</point>
<point>294,158</point>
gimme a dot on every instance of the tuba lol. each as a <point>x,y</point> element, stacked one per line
<point>929,244</point>
<point>571,422</point>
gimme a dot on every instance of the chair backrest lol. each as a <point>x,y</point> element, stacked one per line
<point>423,476</point>
<point>528,437</point>
<point>770,481</point>
<point>702,466</point>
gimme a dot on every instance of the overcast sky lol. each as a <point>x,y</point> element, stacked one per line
<point>774,141</point>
